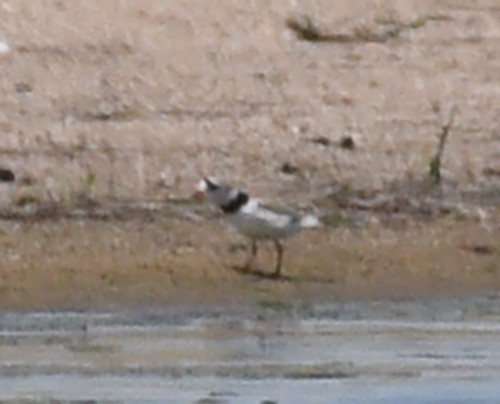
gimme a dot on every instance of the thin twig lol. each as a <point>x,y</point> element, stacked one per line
<point>445,130</point>
<point>435,164</point>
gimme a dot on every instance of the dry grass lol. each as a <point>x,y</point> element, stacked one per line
<point>386,27</point>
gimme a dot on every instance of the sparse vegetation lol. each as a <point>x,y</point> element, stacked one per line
<point>307,30</point>
<point>26,199</point>
<point>104,109</point>
<point>114,110</point>
<point>490,268</point>
<point>435,163</point>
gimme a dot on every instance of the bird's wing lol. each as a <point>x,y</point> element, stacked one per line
<point>293,215</point>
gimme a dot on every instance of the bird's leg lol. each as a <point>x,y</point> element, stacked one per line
<point>279,252</point>
<point>252,255</point>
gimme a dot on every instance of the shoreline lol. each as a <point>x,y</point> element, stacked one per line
<point>94,265</point>
<point>445,310</point>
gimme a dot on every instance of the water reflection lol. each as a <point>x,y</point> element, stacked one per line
<point>246,358</point>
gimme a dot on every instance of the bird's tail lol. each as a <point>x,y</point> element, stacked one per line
<point>310,221</point>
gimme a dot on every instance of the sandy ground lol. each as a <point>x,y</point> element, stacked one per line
<point>122,103</point>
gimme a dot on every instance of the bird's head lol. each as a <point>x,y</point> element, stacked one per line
<point>205,187</point>
<point>219,194</point>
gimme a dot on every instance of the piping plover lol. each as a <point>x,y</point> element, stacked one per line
<point>257,221</point>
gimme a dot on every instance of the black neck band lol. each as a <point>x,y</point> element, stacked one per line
<point>235,204</point>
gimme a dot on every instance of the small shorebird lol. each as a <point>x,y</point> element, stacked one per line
<point>255,220</point>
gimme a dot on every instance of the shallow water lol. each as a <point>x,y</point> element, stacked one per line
<point>444,351</point>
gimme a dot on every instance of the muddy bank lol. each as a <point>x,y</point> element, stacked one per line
<point>77,265</point>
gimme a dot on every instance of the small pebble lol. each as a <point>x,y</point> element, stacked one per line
<point>347,142</point>
<point>7,175</point>
<point>321,140</point>
<point>4,48</point>
<point>289,169</point>
<point>23,87</point>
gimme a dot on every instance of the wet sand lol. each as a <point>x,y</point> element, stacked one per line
<point>72,264</point>
<point>443,350</point>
